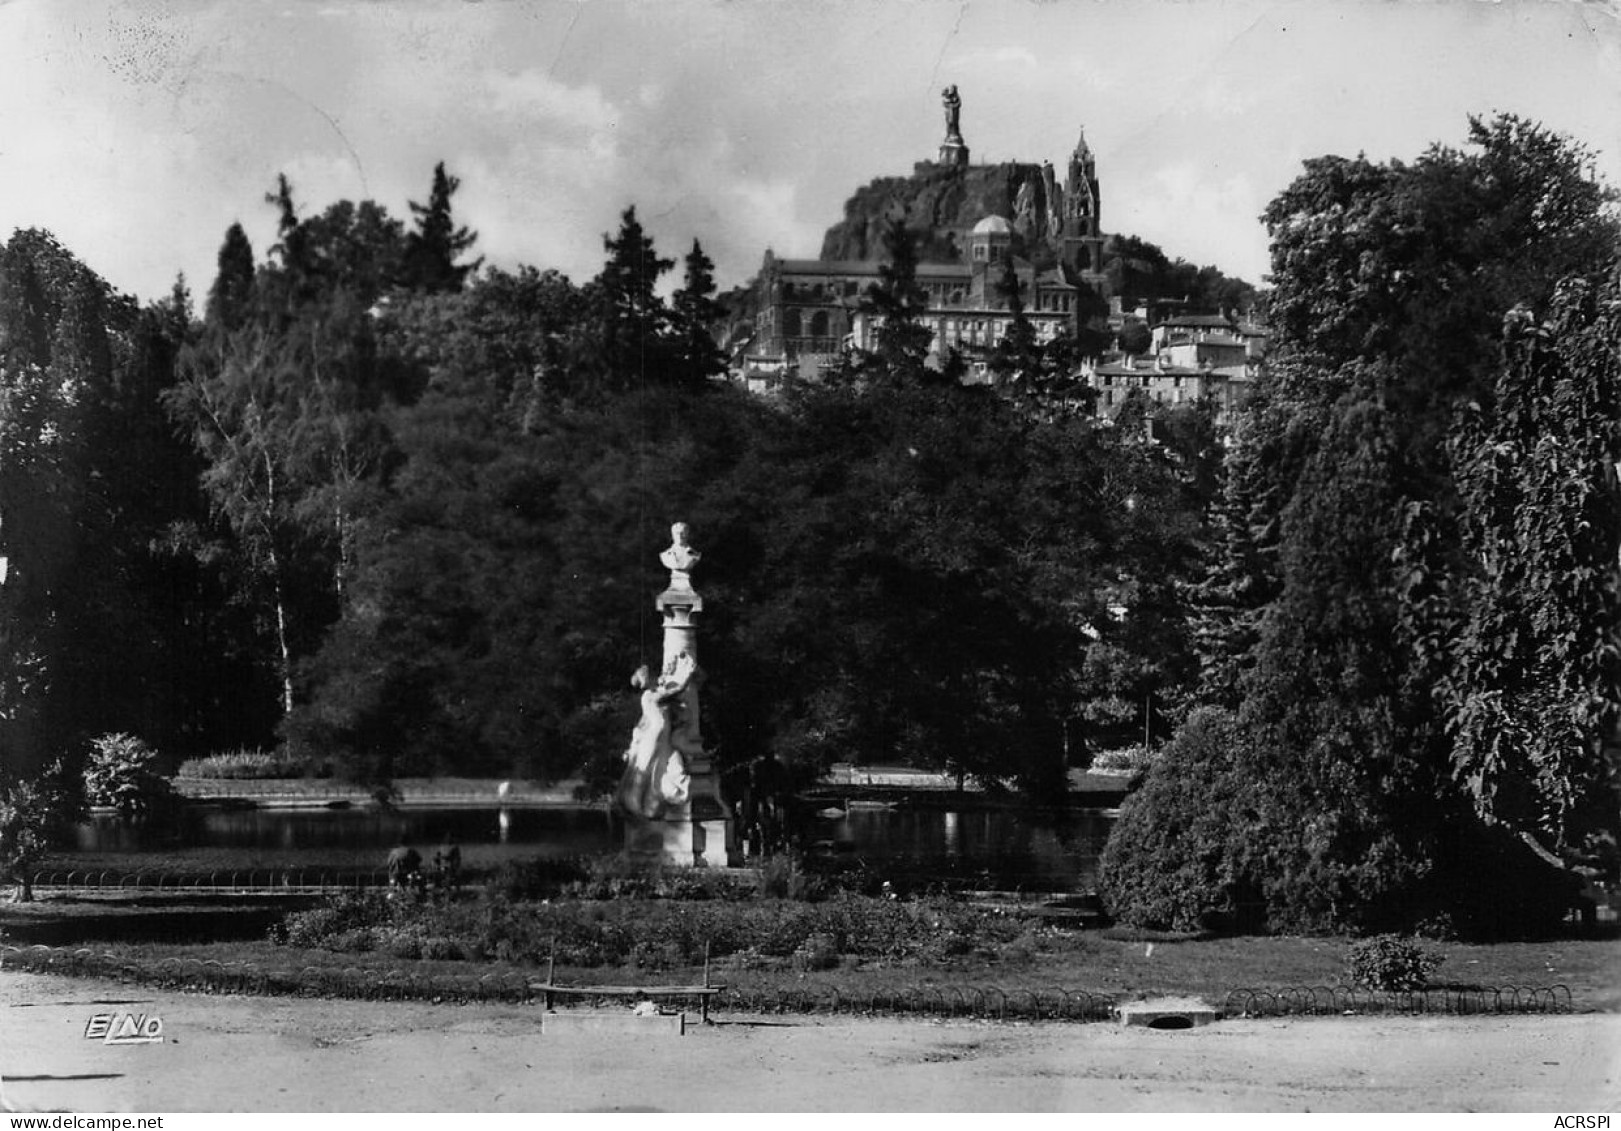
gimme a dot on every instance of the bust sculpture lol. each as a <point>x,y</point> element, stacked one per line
<point>680,557</point>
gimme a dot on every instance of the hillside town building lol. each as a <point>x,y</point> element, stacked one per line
<point>810,311</point>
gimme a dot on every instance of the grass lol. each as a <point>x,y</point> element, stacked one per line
<point>1113,962</point>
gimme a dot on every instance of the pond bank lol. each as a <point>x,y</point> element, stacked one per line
<point>319,792</point>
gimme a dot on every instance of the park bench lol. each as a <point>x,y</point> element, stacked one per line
<point>550,990</point>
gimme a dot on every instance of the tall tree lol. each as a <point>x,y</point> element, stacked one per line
<point>238,415</point>
<point>1535,689</point>
<point>1417,262</point>
<point>1342,617</point>
<point>432,250</point>
<point>626,342</point>
<point>695,312</point>
<point>424,672</point>
<point>1017,358</point>
<point>59,324</point>
<point>287,409</point>
<point>897,304</point>
<point>230,298</point>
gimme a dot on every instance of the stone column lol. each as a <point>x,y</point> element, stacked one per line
<point>699,830</point>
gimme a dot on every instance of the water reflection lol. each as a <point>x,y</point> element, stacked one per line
<point>1004,847</point>
<point>521,832</point>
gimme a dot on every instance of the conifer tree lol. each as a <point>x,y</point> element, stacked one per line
<point>899,304</point>
<point>432,250</point>
<point>1017,358</point>
<point>697,357</point>
<point>232,293</point>
<point>632,325</point>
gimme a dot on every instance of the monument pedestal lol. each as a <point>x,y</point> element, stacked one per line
<point>699,833</point>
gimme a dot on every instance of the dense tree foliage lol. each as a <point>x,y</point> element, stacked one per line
<point>404,512</point>
<point>1409,592</point>
<point>1534,686</point>
<point>101,611</point>
<point>1142,272</point>
<point>504,589</point>
<point>1419,262</point>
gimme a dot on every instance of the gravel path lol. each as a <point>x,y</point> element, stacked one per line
<point>276,1054</point>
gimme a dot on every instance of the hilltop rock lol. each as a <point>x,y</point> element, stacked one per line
<point>942,204</point>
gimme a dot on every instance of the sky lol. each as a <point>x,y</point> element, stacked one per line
<point>137,132</point>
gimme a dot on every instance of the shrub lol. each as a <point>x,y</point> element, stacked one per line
<point>817,952</point>
<point>1391,962</point>
<point>656,933</point>
<point>337,924</point>
<point>1131,760</point>
<point>251,765</point>
<point>1171,861</point>
<point>34,815</point>
<point>121,773</point>
<point>786,877</point>
<point>535,879</point>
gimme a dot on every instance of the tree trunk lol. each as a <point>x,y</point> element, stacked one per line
<point>286,659</point>
<point>285,669</point>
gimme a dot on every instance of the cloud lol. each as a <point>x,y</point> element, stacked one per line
<point>531,94</point>
<point>137,132</point>
<point>1220,96</point>
<point>1000,58</point>
<point>1200,214</point>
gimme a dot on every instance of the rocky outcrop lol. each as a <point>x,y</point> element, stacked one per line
<point>942,204</point>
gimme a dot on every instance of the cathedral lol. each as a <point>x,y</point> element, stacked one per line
<point>973,222</point>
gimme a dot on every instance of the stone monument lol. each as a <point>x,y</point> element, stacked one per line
<point>670,794</point>
<point>953,150</point>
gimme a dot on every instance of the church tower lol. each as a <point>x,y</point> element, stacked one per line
<point>1083,238</point>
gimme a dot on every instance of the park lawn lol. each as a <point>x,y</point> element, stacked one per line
<point>1116,963</point>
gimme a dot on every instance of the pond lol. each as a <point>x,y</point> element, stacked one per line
<point>1000,848</point>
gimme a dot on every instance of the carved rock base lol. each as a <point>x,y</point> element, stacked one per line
<point>685,839</point>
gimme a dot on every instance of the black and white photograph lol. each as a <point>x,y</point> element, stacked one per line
<point>931,557</point>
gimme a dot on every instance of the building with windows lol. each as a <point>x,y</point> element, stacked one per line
<point>981,221</point>
<point>1207,339</point>
<point>1168,384</point>
<point>810,310</point>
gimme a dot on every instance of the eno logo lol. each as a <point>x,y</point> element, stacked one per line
<point>1590,1122</point>
<point>128,1029</point>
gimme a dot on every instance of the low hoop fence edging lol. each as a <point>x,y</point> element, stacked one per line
<point>980,1002</point>
<point>260,881</point>
<point>1461,1001</point>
